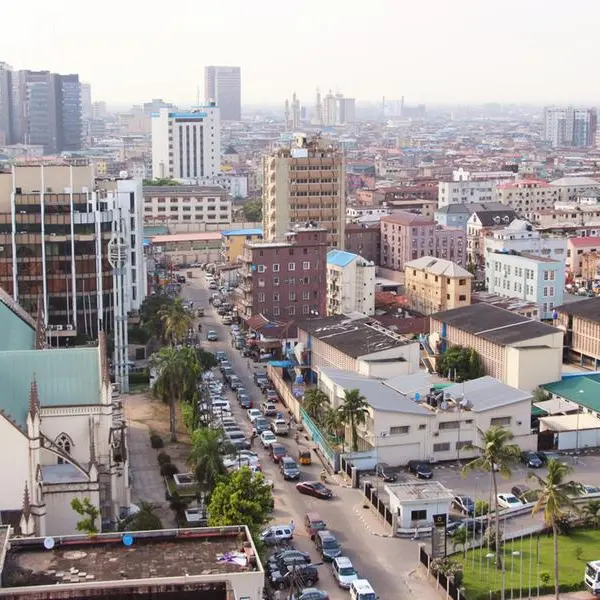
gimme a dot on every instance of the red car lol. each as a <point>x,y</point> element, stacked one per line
<point>314,488</point>
<point>277,452</point>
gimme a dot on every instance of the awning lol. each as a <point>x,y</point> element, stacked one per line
<point>269,344</point>
<point>282,364</point>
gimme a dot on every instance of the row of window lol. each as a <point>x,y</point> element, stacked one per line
<point>291,281</point>
<point>184,200</point>
<point>449,425</point>
<point>291,310</point>
<point>291,267</point>
<point>291,296</point>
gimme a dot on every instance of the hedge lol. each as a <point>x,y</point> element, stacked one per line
<point>544,590</point>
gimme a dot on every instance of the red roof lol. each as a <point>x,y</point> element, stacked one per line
<point>583,242</point>
<point>406,218</point>
<point>522,182</point>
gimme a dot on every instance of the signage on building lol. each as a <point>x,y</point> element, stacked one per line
<point>438,536</point>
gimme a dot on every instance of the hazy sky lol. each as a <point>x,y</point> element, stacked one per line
<point>427,50</point>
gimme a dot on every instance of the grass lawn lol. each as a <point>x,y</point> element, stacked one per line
<point>521,570</point>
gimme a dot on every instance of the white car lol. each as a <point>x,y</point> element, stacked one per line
<point>508,501</point>
<point>267,438</point>
<point>253,414</point>
<point>242,461</point>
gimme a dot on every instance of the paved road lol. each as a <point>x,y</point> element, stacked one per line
<point>388,563</point>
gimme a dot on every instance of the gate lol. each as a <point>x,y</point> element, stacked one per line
<point>329,454</point>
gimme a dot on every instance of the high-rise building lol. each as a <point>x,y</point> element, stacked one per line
<point>186,145</point>
<point>346,110</point>
<point>305,184</point>
<point>570,126</point>
<point>87,111</point>
<point>223,85</point>
<point>69,113</point>
<point>6,104</point>
<point>330,112</point>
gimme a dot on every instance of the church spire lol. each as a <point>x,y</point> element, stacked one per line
<point>34,399</point>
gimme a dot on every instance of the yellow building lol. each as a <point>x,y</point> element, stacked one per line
<point>435,284</point>
<point>232,245</point>
<point>581,323</point>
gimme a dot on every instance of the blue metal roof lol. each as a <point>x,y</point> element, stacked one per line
<point>243,232</point>
<point>339,258</point>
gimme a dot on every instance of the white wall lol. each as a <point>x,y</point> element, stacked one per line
<point>567,440</point>
<point>14,465</point>
<point>405,509</point>
<point>528,368</point>
<point>61,519</point>
<point>410,352</point>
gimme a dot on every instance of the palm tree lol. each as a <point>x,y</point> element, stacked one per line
<point>206,455</point>
<point>145,519</point>
<point>176,379</point>
<point>333,420</point>
<point>459,538</point>
<point>313,402</point>
<point>554,494</point>
<point>176,320</point>
<point>496,454</point>
<point>591,511</point>
<point>355,410</point>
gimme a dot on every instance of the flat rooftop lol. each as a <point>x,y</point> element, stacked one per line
<point>421,491</point>
<point>105,558</point>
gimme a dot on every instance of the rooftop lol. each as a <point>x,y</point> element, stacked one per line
<point>525,256</point>
<point>17,327</point>
<point>575,181</point>
<point>340,258</point>
<point>62,473</point>
<point>469,208</point>
<point>487,393</point>
<point>494,324</point>
<point>80,560</point>
<point>355,336</point>
<point>406,218</point>
<point>438,266</point>
<point>242,232</point>
<point>203,236</point>
<point>491,218</point>
<point>183,190</point>
<point>568,422</point>
<point>422,491</point>
<point>511,304</point>
<point>588,309</point>
<point>580,389</point>
<point>584,242</point>
<point>524,183</point>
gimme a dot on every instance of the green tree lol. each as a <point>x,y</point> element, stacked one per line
<point>355,410</point>
<point>206,360</point>
<point>496,454</point>
<point>176,320</point>
<point>591,510</point>
<point>460,364</point>
<point>554,494</point>
<point>459,538</point>
<point>150,312</point>
<point>252,211</point>
<point>314,402</point>
<point>206,455</point>
<point>333,420</point>
<point>145,519</point>
<point>243,498</point>
<point>90,514</point>
<point>159,182</point>
<point>540,395</point>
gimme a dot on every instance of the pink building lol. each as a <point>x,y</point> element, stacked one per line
<point>406,236</point>
<point>577,248</point>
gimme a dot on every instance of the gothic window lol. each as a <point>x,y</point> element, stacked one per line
<point>64,442</point>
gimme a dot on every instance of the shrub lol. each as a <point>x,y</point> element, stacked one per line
<point>545,577</point>
<point>163,458</point>
<point>168,469</point>
<point>578,551</point>
<point>156,441</point>
<point>142,377</point>
<point>564,524</point>
<point>482,507</point>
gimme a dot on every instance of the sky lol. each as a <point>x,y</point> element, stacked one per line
<point>432,51</point>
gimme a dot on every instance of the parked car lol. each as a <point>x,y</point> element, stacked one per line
<point>343,571</point>
<point>383,471</point>
<point>508,501</point>
<point>227,319</point>
<point>464,505</point>
<point>261,425</point>
<point>289,468</point>
<point>245,401</point>
<point>269,409</point>
<point>272,396</point>
<point>304,575</point>
<point>221,355</point>
<point>327,545</point>
<point>253,414</point>
<point>267,438</point>
<point>280,427</point>
<point>277,452</point>
<point>315,489</point>
<point>313,523</point>
<point>473,526</point>
<point>212,336</point>
<point>532,460</point>
<point>276,534</point>
<point>287,557</point>
<point>235,382</point>
<point>523,493</point>
<point>421,469</point>
<point>310,594</point>
<point>585,490</point>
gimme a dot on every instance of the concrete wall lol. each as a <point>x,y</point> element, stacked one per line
<point>14,465</point>
<point>527,368</point>
<point>61,519</point>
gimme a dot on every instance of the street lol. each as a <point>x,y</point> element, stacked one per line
<point>388,563</point>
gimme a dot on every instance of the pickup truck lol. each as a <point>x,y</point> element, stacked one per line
<point>280,427</point>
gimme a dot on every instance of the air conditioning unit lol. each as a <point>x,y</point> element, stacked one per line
<point>59,328</point>
<point>436,433</point>
<point>69,327</point>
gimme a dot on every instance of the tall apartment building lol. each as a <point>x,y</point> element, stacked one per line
<point>406,236</point>
<point>365,240</point>
<point>305,184</point>
<point>284,280</point>
<point>56,225</point>
<point>180,204</point>
<point>223,85</point>
<point>350,284</point>
<point>346,110</point>
<point>570,126</point>
<point>338,110</point>
<point>464,190</point>
<point>570,189</point>
<point>526,196</point>
<point>6,104</point>
<point>186,145</point>
<point>87,111</point>
<point>527,277</point>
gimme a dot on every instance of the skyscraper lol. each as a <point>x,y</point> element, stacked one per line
<point>6,103</point>
<point>570,126</point>
<point>223,85</point>
<point>86,101</point>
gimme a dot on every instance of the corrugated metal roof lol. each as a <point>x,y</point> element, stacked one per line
<point>65,377</point>
<point>17,334</point>
<point>584,390</point>
<point>340,258</point>
<point>242,232</point>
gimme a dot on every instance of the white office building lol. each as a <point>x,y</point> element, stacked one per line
<point>521,237</point>
<point>570,126</point>
<point>463,189</point>
<point>186,145</point>
<point>350,284</point>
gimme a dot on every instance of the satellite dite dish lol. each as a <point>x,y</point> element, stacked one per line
<point>417,396</point>
<point>49,543</point>
<point>127,540</point>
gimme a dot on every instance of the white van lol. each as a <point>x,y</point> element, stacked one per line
<point>360,589</point>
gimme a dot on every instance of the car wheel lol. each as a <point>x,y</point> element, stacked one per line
<point>309,582</point>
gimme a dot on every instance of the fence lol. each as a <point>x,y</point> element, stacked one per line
<point>329,454</point>
<point>446,584</point>
<point>373,497</point>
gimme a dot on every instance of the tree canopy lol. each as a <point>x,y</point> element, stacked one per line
<point>354,411</point>
<point>252,211</point>
<point>206,455</point>
<point>145,519</point>
<point>460,364</point>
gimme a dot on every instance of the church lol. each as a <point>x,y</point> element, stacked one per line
<point>63,434</point>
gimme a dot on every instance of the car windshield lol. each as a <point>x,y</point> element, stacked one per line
<point>290,464</point>
<point>512,500</point>
<point>331,544</point>
<point>281,450</point>
<point>347,571</point>
<point>318,486</point>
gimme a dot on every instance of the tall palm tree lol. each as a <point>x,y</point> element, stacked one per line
<point>355,410</point>
<point>333,420</point>
<point>176,320</point>
<point>554,494</point>
<point>145,519</point>
<point>496,454</point>
<point>313,402</point>
<point>206,455</point>
<point>591,510</point>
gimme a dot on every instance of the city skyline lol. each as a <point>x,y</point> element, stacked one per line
<point>465,52</point>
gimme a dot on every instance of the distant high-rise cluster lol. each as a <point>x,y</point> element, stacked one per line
<point>330,110</point>
<point>41,108</point>
<point>223,85</point>
<point>570,126</point>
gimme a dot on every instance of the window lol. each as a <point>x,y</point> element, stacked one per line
<point>306,265</point>
<point>261,297</point>
<point>276,297</point>
<point>422,426</point>
<point>305,309</point>
<point>276,311</point>
<point>261,268</point>
<point>292,296</point>
<point>462,298</point>
<point>292,281</point>
<point>462,282</point>
<point>275,281</point>
<point>306,295</point>
<point>291,311</point>
<point>400,429</point>
<point>460,445</point>
<point>291,266</point>
<point>276,268</point>
<point>501,421</point>
<point>418,515</point>
<point>443,447</point>
<point>65,443</point>
<point>450,425</point>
